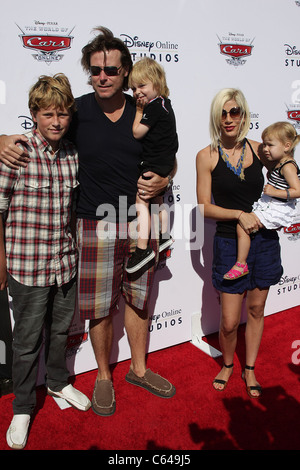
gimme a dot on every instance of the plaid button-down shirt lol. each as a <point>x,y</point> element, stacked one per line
<point>40,249</point>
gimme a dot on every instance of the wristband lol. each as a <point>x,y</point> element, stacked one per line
<point>288,195</point>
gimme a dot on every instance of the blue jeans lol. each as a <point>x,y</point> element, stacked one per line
<point>34,308</point>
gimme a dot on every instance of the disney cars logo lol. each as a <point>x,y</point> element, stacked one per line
<point>74,341</point>
<point>294,115</point>
<point>47,46</point>
<point>295,228</point>
<point>47,43</point>
<point>236,50</point>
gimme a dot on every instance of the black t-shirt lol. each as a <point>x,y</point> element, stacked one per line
<point>230,192</point>
<point>109,156</point>
<point>160,144</point>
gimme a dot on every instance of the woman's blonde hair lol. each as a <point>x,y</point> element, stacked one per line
<point>224,95</point>
<point>285,132</point>
<point>51,91</point>
<point>146,70</point>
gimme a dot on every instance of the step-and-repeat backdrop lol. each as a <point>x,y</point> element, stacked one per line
<point>203,46</point>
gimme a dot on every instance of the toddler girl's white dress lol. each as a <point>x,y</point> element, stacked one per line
<point>275,213</point>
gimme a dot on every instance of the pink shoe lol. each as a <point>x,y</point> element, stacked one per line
<point>235,273</point>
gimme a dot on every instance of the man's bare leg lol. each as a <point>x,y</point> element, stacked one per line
<point>136,325</point>
<point>101,333</point>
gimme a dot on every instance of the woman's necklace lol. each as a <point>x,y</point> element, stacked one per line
<point>239,168</point>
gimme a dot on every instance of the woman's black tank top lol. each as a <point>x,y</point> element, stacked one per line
<point>230,192</point>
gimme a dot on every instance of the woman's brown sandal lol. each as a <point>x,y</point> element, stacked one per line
<point>222,382</point>
<point>252,388</point>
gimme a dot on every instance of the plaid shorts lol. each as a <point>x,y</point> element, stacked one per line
<point>102,278</point>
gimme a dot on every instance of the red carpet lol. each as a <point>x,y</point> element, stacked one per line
<point>197,418</point>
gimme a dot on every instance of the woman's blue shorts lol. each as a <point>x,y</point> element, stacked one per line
<point>264,263</point>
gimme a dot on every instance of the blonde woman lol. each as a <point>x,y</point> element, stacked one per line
<point>229,171</point>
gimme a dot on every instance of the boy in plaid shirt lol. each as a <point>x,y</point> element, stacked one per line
<point>38,259</point>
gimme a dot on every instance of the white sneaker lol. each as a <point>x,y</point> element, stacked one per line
<point>16,436</point>
<point>73,397</point>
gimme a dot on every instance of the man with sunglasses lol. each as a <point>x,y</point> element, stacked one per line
<point>108,176</point>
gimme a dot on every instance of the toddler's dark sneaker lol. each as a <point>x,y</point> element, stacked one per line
<point>165,240</point>
<point>138,259</point>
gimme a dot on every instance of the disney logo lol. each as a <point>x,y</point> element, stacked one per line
<point>291,50</point>
<point>135,42</point>
<point>27,122</point>
<point>286,280</point>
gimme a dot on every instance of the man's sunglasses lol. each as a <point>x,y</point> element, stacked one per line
<point>235,113</point>
<point>110,71</point>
